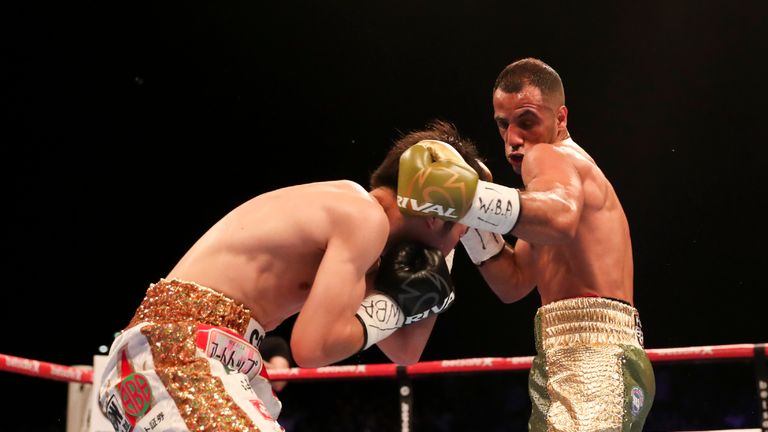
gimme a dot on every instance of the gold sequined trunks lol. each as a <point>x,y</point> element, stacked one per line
<point>590,372</point>
<point>183,363</point>
<point>173,300</point>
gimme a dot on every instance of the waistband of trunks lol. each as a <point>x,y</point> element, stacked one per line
<point>174,300</point>
<point>588,320</point>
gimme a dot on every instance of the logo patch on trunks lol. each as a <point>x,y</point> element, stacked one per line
<point>639,330</point>
<point>135,394</point>
<point>234,352</point>
<point>638,400</point>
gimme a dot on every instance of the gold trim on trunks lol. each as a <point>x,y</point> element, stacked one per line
<point>589,320</point>
<point>174,300</point>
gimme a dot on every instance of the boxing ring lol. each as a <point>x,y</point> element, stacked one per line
<point>81,377</point>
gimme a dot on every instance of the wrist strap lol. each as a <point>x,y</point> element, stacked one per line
<point>494,208</point>
<point>482,245</point>
<point>380,316</point>
<point>449,259</point>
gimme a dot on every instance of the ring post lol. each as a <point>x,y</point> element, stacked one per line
<point>406,399</point>
<point>761,373</point>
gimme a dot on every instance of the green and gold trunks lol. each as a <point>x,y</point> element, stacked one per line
<point>590,372</point>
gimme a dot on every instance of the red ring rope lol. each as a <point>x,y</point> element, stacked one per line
<point>57,372</point>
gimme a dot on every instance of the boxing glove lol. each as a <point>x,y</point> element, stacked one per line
<point>434,180</point>
<point>413,282</point>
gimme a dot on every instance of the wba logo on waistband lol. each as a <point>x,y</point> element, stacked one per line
<point>426,207</point>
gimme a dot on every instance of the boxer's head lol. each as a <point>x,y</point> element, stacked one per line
<point>529,108</point>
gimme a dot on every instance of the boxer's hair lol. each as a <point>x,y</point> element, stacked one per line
<point>386,174</point>
<point>534,72</point>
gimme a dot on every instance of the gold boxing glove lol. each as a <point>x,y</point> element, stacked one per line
<point>434,180</point>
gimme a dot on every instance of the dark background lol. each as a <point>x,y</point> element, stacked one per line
<point>128,128</point>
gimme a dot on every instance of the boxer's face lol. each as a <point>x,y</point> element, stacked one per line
<point>524,119</point>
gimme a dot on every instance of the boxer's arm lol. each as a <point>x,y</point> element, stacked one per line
<point>406,345</point>
<point>327,329</point>
<point>553,199</point>
<point>510,274</point>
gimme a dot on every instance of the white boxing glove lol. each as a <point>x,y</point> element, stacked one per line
<point>482,245</point>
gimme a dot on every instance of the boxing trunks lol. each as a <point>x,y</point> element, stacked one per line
<point>590,372</point>
<point>188,360</point>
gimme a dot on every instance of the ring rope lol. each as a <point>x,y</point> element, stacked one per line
<point>59,372</point>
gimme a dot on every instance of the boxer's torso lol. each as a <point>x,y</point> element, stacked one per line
<point>598,260</point>
<point>266,252</point>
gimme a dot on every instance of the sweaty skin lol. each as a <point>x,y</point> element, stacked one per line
<point>573,235</point>
<point>310,249</point>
